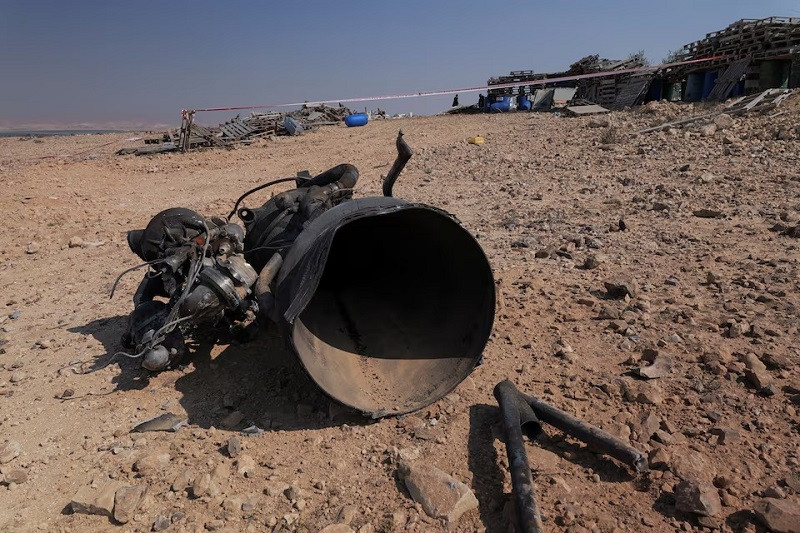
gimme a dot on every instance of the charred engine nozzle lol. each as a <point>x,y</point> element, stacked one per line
<point>388,304</point>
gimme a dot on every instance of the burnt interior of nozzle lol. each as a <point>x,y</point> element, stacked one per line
<point>402,312</point>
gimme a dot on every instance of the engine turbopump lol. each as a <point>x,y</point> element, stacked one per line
<point>199,266</point>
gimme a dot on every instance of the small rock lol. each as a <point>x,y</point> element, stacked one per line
<point>32,248</point>
<point>151,464</point>
<point>723,121</point>
<point>708,130</point>
<point>696,498</point>
<point>245,466</point>
<point>161,523</point>
<point>183,480</point>
<point>95,501</point>
<point>599,122</point>
<point>593,261</point>
<point>780,516</point>
<point>201,485</point>
<point>126,501</point>
<point>292,492</point>
<point>707,213</point>
<point>725,435</point>
<point>650,396</point>
<point>659,458</point>
<point>75,242</point>
<point>619,288</point>
<point>9,450</point>
<point>234,446</point>
<point>775,492</point>
<point>14,475</point>
<point>214,525</point>
<point>661,367</point>
<point>440,495</point>
<point>544,253</point>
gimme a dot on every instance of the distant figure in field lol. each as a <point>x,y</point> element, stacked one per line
<point>455,101</point>
<point>481,101</point>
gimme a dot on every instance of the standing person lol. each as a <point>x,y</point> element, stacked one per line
<point>455,101</point>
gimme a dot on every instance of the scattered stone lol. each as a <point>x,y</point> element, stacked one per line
<point>75,242</point>
<point>151,464</point>
<point>183,480</point>
<point>708,130</point>
<point>214,525</point>
<point>544,253</point>
<point>662,366</point>
<point>234,447</point>
<point>126,501</point>
<point>650,396</point>
<point>9,450</point>
<point>775,492</point>
<point>32,248</point>
<point>780,516</point>
<point>161,523</point>
<point>725,435</point>
<point>245,466</point>
<point>793,481</point>
<point>619,288</point>
<point>593,261</point>
<point>697,498</point>
<point>659,458</point>
<point>14,475</point>
<point>440,495</point>
<point>723,121</point>
<point>707,213</point>
<point>95,501</point>
<point>201,485</point>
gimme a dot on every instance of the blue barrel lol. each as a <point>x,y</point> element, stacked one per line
<point>709,80</point>
<point>694,87</point>
<point>501,106</point>
<point>356,119</point>
<point>523,104</point>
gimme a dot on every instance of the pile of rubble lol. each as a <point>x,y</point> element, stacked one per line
<point>240,130</point>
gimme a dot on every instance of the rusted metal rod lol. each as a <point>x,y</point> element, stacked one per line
<point>518,417</point>
<point>595,437</point>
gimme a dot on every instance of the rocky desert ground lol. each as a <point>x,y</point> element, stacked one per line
<point>646,284</point>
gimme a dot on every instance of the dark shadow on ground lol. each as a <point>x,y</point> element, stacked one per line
<point>108,331</point>
<point>608,469</point>
<point>258,380</point>
<point>486,474</point>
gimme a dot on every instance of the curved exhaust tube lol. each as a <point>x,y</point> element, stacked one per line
<point>404,153</point>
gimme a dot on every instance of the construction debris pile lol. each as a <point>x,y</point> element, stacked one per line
<point>708,123</point>
<point>613,91</point>
<point>749,55</point>
<point>241,130</point>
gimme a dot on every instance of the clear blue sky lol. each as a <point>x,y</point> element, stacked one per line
<point>108,62</point>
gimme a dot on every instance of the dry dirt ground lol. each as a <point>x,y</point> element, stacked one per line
<point>711,300</point>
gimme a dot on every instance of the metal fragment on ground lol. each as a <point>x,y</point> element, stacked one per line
<point>165,422</point>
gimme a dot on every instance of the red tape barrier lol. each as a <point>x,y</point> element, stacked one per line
<point>465,89</point>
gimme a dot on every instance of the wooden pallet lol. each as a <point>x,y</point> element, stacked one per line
<point>728,80</point>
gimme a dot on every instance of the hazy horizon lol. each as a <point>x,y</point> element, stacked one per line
<point>117,65</point>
